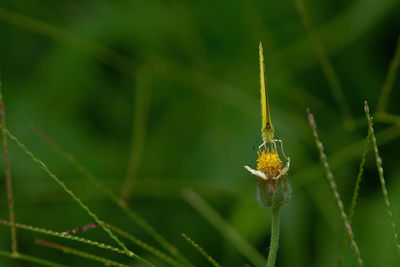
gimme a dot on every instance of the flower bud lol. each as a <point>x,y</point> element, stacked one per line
<point>273,187</point>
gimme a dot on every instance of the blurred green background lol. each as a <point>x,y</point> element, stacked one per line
<point>167,94</point>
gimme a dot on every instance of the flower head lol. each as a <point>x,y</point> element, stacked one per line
<point>269,163</point>
<point>273,188</point>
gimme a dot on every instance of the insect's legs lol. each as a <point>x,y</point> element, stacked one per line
<point>281,143</point>
<point>273,142</point>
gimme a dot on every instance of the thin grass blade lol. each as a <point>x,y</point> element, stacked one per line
<point>14,244</point>
<point>147,247</point>
<point>381,176</point>
<point>115,198</point>
<point>390,78</point>
<point>355,195</point>
<point>32,259</point>
<point>78,200</point>
<point>98,51</point>
<point>76,252</point>
<point>139,126</point>
<point>327,67</point>
<point>202,251</point>
<point>335,192</point>
<point>65,236</point>
<point>130,237</point>
<point>226,230</point>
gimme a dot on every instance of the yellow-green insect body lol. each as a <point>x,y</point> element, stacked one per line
<point>267,130</point>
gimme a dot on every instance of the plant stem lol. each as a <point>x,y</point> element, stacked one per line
<point>14,245</point>
<point>139,125</point>
<point>273,248</point>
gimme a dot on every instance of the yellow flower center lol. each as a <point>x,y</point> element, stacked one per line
<point>269,163</point>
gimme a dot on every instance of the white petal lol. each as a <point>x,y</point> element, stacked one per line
<point>284,170</point>
<point>256,173</point>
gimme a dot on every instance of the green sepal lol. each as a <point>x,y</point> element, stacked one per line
<point>271,194</point>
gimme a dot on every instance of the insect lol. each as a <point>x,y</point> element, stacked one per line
<point>269,167</point>
<point>267,129</point>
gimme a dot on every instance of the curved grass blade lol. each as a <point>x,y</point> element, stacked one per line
<point>98,51</point>
<point>335,192</point>
<point>138,136</point>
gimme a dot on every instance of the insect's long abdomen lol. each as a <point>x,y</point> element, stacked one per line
<point>267,130</point>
